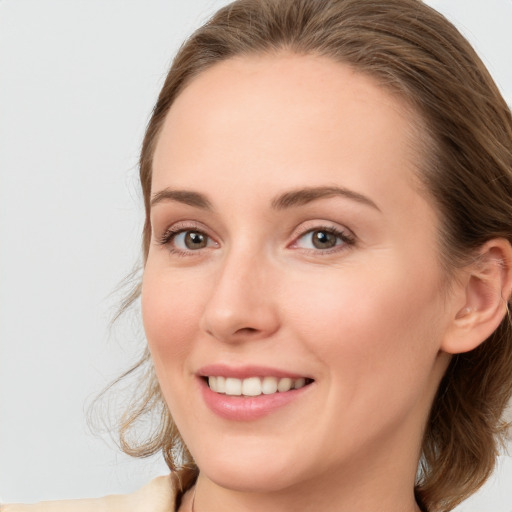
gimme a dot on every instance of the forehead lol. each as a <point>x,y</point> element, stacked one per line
<point>283,117</point>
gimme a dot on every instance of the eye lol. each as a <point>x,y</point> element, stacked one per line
<point>185,240</point>
<point>323,239</point>
<point>190,240</point>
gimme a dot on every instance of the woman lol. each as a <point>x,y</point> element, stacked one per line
<point>327,263</point>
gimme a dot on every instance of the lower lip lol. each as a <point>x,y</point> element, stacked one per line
<point>242,408</point>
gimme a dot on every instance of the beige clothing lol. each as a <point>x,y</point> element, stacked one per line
<point>157,496</point>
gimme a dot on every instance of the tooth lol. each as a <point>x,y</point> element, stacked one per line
<point>284,384</point>
<point>212,382</point>
<point>221,384</point>
<point>269,385</point>
<point>233,386</point>
<point>251,386</point>
<point>299,383</point>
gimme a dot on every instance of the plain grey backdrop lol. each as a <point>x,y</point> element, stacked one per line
<point>78,79</point>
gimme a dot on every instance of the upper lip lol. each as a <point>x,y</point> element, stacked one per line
<point>246,371</point>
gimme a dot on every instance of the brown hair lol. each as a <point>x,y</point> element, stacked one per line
<point>414,51</point>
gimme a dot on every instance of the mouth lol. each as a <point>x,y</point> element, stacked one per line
<point>254,386</point>
<point>249,392</point>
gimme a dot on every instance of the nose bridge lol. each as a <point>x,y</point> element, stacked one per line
<point>242,302</point>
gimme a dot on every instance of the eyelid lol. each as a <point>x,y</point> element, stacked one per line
<point>175,229</point>
<point>347,236</point>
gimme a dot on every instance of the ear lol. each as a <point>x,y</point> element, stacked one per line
<point>485,289</point>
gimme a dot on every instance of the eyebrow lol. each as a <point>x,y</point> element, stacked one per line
<point>182,196</point>
<point>284,201</point>
<point>304,196</point>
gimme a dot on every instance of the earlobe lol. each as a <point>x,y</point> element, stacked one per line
<point>488,285</point>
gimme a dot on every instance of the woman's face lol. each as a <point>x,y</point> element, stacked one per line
<point>291,246</point>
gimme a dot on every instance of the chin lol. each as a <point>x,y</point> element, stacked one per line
<point>246,472</point>
<point>250,479</point>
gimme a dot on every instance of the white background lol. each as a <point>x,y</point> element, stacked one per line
<point>78,79</point>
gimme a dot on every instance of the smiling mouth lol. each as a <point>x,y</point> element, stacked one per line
<point>255,386</point>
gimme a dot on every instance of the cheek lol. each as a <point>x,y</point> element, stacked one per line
<point>373,323</point>
<point>376,339</point>
<point>170,311</point>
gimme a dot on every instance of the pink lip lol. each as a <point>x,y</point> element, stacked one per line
<point>243,372</point>
<point>241,408</point>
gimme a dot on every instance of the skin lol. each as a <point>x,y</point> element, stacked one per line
<point>366,320</point>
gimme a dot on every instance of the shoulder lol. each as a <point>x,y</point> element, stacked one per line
<point>157,496</point>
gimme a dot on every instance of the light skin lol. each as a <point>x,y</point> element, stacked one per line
<point>257,157</point>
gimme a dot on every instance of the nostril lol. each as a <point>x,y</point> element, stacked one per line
<point>247,330</point>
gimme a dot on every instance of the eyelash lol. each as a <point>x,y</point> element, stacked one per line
<point>346,239</point>
<point>171,233</point>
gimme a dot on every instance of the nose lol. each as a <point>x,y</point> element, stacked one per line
<point>242,305</point>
